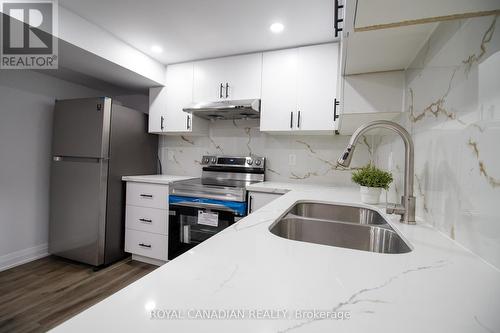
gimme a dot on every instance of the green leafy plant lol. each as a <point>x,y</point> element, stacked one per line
<point>371,176</point>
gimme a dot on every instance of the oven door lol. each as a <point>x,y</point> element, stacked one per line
<point>194,220</point>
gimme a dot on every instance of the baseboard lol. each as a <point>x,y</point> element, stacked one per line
<point>147,260</point>
<point>23,256</point>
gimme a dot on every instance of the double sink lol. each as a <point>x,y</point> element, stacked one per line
<point>339,225</point>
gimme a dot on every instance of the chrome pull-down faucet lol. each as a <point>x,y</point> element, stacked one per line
<point>407,206</point>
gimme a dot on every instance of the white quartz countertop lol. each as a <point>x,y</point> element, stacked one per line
<point>282,187</point>
<point>437,287</point>
<point>155,179</point>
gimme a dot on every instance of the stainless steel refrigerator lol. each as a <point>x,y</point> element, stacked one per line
<point>95,142</point>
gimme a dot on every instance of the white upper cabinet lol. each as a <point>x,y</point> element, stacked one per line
<point>166,104</point>
<point>299,89</point>
<point>237,77</point>
<point>157,102</point>
<point>179,86</point>
<point>317,82</point>
<point>279,90</point>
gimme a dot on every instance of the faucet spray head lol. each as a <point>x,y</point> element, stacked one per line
<point>345,159</point>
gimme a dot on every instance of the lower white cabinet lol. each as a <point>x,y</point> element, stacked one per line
<point>146,222</point>
<point>257,200</point>
<point>147,195</point>
<point>146,244</point>
<point>147,219</point>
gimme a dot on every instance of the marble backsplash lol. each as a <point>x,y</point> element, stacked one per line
<point>289,158</point>
<point>452,109</point>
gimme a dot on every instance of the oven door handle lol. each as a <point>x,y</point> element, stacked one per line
<point>205,205</point>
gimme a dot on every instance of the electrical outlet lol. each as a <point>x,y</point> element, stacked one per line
<point>292,159</point>
<point>170,155</point>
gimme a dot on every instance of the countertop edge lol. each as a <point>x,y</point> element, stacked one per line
<point>156,179</point>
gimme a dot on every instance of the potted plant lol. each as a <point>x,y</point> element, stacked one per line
<point>372,180</point>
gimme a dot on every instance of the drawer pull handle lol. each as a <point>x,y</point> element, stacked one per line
<point>146,196</point>
<point>145,245</point>
<point>146,220</point>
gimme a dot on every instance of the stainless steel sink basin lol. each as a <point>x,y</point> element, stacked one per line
<point>342,226</point>
<point>341,213</point>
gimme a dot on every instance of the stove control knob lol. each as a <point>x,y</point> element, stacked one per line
<point>258,162</point>
<point>249,161</point>
<point>214,160</point>
<point>205,160</point>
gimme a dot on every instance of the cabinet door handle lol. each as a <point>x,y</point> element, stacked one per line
<point>250,204</point>
<point>291,119</point>
<point>188,122</point>
<point>146,220</point>
<point>227,90</point>
<point>220,90</point>
<point>336,19</point>
<point>150,196</point>
<point>335,104</point>
<point>145,245</point>
<point>298,120</point>
<point>161,123</point>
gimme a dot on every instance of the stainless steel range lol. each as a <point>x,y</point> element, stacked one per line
<point>199,208</point>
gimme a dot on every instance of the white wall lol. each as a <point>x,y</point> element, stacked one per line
<point>26,104</point>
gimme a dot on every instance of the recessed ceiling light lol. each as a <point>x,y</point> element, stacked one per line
<point>276,27</point>
<point>156,49</point>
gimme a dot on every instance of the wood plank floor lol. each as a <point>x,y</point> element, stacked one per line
<point>40,295</point>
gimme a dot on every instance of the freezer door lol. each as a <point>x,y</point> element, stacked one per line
<point>81,127</point>
<point>78,209</point>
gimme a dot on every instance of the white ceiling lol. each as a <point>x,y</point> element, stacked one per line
<point>198,29</point>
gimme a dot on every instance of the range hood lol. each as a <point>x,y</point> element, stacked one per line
<point>237,109</point>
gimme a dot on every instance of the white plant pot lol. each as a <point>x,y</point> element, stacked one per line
<point>370,195</point>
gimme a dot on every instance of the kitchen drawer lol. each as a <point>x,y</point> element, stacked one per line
<point>147,195</point>
<point>146,244</point>
<point>146,219</point>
